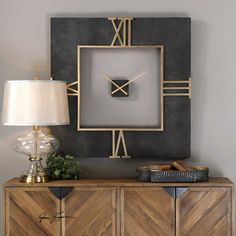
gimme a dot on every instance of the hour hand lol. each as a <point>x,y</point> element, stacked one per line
<point>116,85</point>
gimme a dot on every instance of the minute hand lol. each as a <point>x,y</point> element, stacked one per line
<point>130,81</point>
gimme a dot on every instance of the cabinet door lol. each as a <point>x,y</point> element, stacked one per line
<point>31,211</point>
<point>147,211</point>
<point>89,212</point>
<point>204,211</point>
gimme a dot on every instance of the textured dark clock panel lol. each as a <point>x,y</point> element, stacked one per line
<point>174,34</point>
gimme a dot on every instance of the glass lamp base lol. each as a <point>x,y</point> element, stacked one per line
<point>34,173</point>
<point>35,145</point>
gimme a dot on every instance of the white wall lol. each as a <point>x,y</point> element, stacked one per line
<point>25,51</point>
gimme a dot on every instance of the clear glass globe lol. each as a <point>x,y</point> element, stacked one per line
<point>36,144</point>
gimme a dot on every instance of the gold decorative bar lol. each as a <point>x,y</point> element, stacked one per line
<point>175,94</point>
<point>189,88</point>
<point>173,88</point>
<point>176,81</point>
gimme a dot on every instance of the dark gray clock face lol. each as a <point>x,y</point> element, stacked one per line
<point>104,103</point>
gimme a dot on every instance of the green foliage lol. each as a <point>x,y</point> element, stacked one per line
<point>62,167</point>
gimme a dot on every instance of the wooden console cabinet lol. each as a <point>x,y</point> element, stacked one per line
<point>119,207</point>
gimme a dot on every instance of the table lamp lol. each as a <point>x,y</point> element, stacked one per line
<point>35,103</point>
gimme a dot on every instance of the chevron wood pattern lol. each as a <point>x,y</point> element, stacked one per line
<point>94,212</point>
<point>23,208</point>
<point>147,211</point>
<point>204,211</point>
<point>116,207</point>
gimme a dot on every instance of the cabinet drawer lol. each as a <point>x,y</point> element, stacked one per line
<point>31,211</point>
<point>147,211</point>
<point>92,211</point>
<point>204,211</point>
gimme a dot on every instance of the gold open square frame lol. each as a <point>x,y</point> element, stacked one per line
<point>161,75</point>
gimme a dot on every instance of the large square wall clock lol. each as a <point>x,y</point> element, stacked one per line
<point>129,86</point>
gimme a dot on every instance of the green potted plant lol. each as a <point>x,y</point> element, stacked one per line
<point>62,167</point>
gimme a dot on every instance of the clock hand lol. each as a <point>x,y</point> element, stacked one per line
<point>111,81</point>
<point>130,81</point>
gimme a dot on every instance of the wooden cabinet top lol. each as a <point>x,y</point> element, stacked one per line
<point>217,181</point>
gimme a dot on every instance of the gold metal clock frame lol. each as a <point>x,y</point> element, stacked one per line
<point>160,128</point>
<point>122,39</point>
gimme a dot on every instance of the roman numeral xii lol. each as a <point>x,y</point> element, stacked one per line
<point>122,27</point>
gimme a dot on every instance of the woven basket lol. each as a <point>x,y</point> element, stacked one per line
<point>156,176</point>
<point>143,174</point>
<point>179,176</point>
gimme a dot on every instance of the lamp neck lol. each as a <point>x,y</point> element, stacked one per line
<point>35,158</point>
<point>35,128</point>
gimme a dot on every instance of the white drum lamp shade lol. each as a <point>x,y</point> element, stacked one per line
<point>35,103</point>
